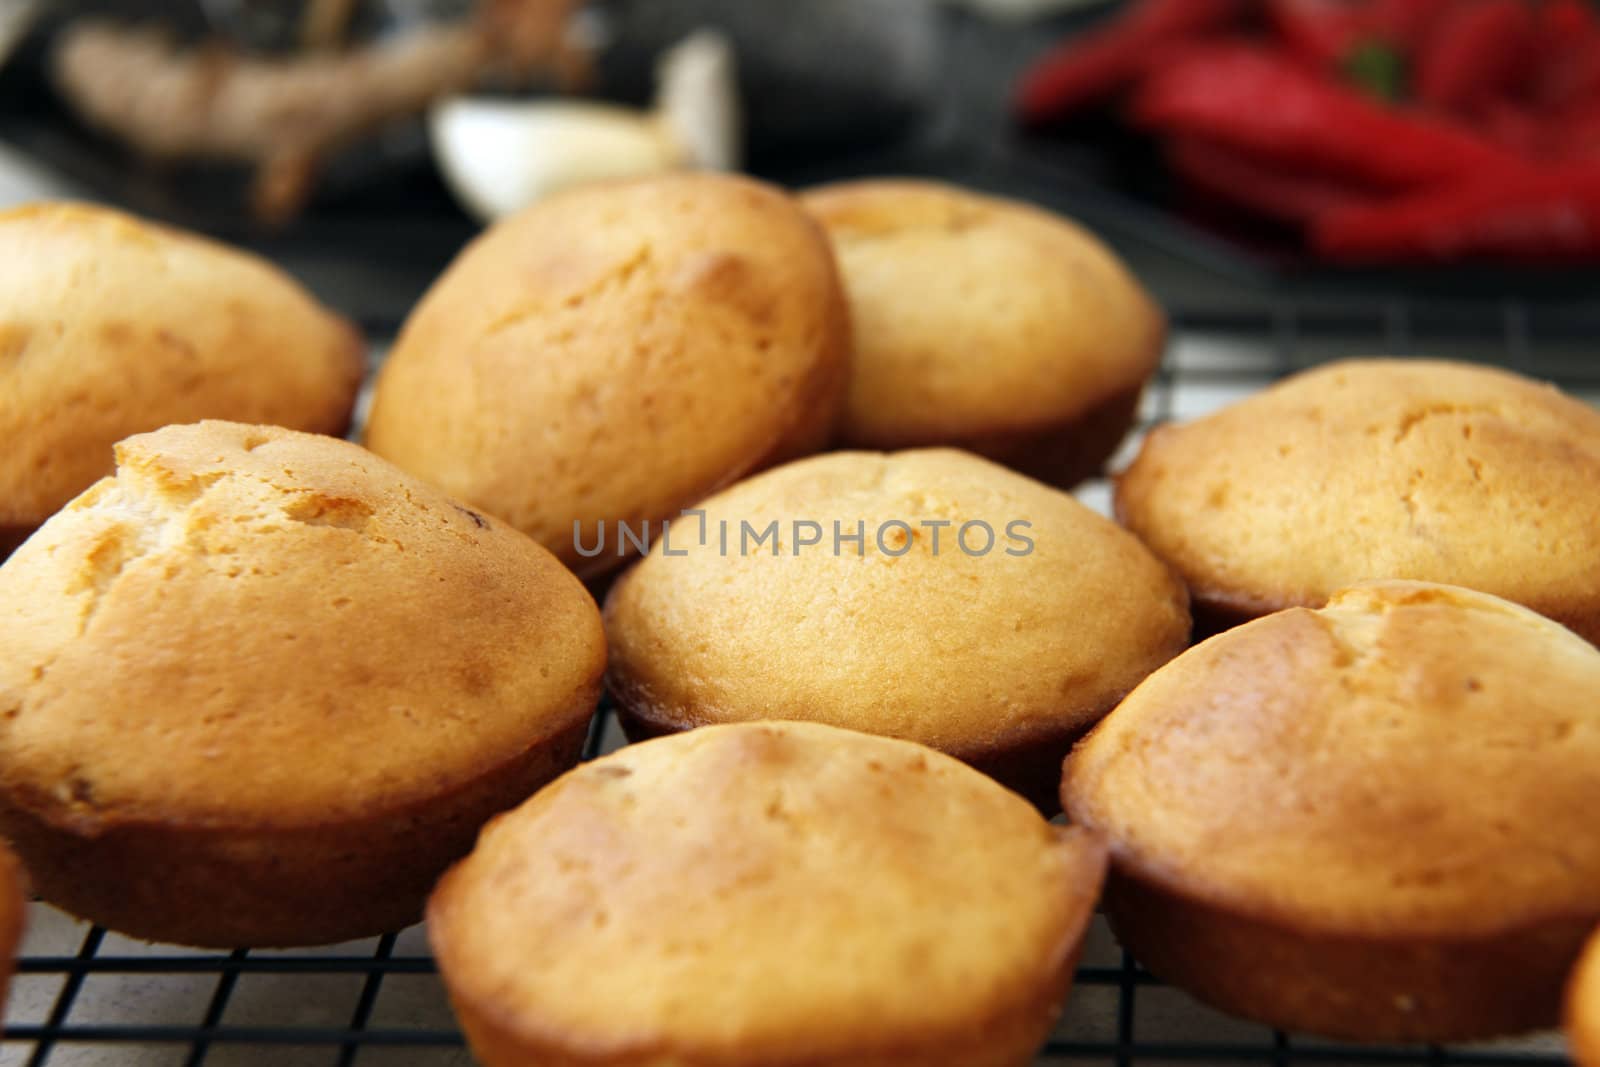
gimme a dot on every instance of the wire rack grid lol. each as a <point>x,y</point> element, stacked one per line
<point>84,997</point>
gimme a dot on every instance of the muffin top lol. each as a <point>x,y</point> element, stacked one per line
<point>1412,759</point>
<point>251,625</point>
<point>1583,1007</point>
<point>617,351</point>
<point>914,636</point>
<point>975,316</point>
<point>110,326</point>
<point>1370,469</point>
<point>723,890</point>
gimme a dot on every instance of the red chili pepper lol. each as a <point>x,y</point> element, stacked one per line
<point>1561,20</point>
<point>1273,108</point>
<point>1568,72</point>
<point>1551,214</point>
<point>1517,127</point>
<point>1322,32</point>
<point>1479,52</point>
<point>1327,32</point>
<point>1569,47</point>
<point>1567,135</point>
<point>1262,187</point>
<point>1577,133</point>
<point>1089,68</point>
<point>1405,24</point>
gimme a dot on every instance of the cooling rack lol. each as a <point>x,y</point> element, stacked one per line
<point>84,997</point>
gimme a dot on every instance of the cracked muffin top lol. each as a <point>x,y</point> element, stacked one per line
<point>1413,760</point>
<point>251,625</point>
<point>616,352</point>
<point>111,326</point>
<point>764,893</point>
<point>1370,469</point>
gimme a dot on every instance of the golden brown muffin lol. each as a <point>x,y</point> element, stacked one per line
<point>987,324</point>
<point>13,915</point>
<point>111,326</point>
<point>1583,1007</point>
<point>616,352</point>
<point>766,894</point>
<point>1370,469</point>
<point>1375,821</point>
<point>1001,658</point>
<point>261,688</point>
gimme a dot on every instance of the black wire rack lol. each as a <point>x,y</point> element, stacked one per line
<point>83,996</point>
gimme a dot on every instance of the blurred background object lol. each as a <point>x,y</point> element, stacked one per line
<point>324,132</point>
<point>815,76</point>
<point>284,87</point>
<point>1369,131</point>
<point>15,21</point>
<point>329,133</point>
<point>1017,10</point>
<point>499,155</point>
<point>284,113</point>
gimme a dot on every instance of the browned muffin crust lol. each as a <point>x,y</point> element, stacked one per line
<point>1070,451</point>
<point>230,886</point>
<point>13,914</point>
<point>1583,1006</point>
<point>1028,763</point>
<point>616,352</point>
<point>775,894</point>
<point>1000,660</point>
<point>1370,469</point>
<point>11,537</point>
<point>1354,987</point>
<point>1372,821</point>
<point>986,324</point>
<point>260,688</point>
<point>111,326</point>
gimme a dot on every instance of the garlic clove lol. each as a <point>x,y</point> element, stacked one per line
<point>499,156</point>
<point>697,99</point>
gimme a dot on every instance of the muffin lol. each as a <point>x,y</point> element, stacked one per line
<point>261,688</point>
<point>1374,821</point>
<point>1370,469</point>
<point>981,613</point>
<point>1583,1007</point>
<point>13,915</point>
<point>761,894</point>
<point>986,324</point>
<point>616,352</point>
<point>111,326</point>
